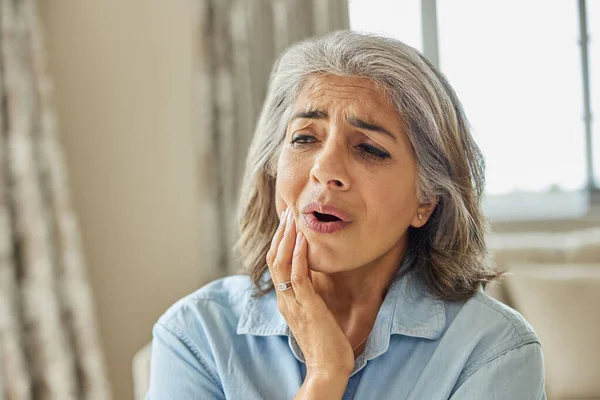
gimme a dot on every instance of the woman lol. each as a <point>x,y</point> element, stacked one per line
<point>370,286</point>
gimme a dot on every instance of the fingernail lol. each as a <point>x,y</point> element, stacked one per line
<point>290,216</point>
<point>282,218</point>
<point>299,238</point>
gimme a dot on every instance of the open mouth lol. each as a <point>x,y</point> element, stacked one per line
<point>326,217</point>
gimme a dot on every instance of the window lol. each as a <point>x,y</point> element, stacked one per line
<point>593,25</point>
<point>517,68</point>
<point>397,18</point>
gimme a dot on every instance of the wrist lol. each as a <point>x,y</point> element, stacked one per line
<point>323,385</point>
<point>329,376</point>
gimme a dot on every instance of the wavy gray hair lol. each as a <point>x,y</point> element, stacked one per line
<point>449,253</point>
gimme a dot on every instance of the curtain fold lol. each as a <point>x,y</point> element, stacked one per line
<point>238,42</point>
<point>49,346</point>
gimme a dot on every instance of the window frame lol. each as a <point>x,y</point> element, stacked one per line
<point>431,52</point>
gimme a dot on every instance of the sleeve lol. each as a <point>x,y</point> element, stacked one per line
<point>517,374</point>
<point>177,369</point>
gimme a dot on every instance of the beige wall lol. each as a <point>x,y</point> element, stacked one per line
<point>123,83</point>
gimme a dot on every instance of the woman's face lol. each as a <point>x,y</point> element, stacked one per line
<point>345,146</point>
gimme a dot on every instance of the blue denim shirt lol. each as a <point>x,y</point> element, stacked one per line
<point>221,343</point>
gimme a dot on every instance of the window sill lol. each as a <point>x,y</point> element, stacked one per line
<point>543,212</point>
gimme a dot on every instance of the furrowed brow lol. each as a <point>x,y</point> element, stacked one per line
<point>359,123</point>
<point>310,114</point>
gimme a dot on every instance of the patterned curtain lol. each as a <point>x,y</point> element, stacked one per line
<point>49,346</point>
<point>238,42</point>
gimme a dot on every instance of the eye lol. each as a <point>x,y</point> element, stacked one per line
<point>373,151</point>
<point>367,150</point>
<point>301,139</point>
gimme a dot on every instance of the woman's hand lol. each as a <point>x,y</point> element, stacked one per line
<point>327,351</point>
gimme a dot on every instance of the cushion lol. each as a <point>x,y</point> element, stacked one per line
<point>561,302</point>
<point>141,372</point>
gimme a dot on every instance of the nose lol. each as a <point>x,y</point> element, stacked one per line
<point>330,167</point>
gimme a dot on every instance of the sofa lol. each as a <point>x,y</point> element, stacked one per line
<point>553,279</point>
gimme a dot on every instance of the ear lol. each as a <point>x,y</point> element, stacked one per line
<point>423,214</point>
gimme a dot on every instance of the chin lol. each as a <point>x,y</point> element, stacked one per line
<point>322,259</point>
<point>318,258</point>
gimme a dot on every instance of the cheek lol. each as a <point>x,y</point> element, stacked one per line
<point>388,201</point>
<point>289,182</point>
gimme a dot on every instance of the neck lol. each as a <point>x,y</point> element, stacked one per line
<point>355,296</point>
<point>358,286</point>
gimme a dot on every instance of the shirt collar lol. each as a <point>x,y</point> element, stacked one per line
<point>408,309</point>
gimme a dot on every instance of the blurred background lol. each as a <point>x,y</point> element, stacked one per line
<point>125,126</point>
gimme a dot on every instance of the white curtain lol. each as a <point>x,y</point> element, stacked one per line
<point>49,346</point>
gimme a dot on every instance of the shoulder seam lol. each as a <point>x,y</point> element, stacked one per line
<point>181,336</point>
<point>503,315</point>
<point>230,298</point>
<point>203,297</point>
<point>478,365</point>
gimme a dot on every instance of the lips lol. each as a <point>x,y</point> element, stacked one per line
<point>326,212</point>
<point>324,218</point>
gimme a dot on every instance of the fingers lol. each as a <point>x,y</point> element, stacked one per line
<point>300,275</point>
<point>287,261</point>
<point>282,265</point>
<point>275,244</point>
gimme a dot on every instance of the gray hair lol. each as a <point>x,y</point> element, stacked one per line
<point>449,252</point>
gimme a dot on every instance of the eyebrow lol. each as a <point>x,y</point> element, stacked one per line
<point>359,123</point>
<point>356,122</point>
<point>312,114</point>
